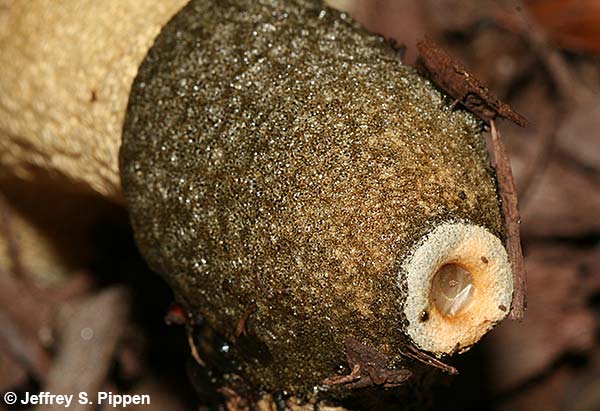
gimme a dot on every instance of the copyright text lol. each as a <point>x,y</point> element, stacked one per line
<point>100,398</point>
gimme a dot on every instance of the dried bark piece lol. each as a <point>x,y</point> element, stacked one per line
<point>373,367</point>
<point>452,77</point>
<point>512,222</point>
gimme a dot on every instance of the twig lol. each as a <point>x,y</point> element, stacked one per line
<point>193,349</point>
<point>420,356</point>
<point>512,221</point>
<point>558,69</point>
<point>176,315</point>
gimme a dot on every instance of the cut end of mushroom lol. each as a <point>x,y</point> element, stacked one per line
<point>452,289</point>
<point>459,286</point>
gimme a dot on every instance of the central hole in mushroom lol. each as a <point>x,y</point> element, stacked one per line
<point>452,289</point>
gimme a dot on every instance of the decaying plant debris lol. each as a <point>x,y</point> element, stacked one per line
<point>449,74</point>
<point>551,360</point>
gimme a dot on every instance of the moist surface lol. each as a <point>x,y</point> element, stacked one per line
<point>279,160</point>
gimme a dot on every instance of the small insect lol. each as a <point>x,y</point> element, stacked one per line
<point>452,76</point>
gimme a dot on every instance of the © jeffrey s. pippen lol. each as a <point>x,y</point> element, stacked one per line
<point>102,398</point>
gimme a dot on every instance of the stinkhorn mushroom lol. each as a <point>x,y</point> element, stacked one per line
<point>284,170</point>
<point>291,179</point>
<point>67,68</point>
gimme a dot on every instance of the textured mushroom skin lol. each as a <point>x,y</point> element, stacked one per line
<point>66,67</point>
<point>276,153</point>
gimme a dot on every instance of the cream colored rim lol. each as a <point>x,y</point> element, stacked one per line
<point>471,293</point>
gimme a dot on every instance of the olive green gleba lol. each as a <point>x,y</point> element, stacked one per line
<point>277,156</point>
